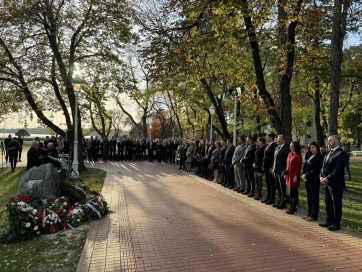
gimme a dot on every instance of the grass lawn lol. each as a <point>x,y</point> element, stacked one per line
<point>57,252</point>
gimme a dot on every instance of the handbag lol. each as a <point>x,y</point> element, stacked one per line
<point>211,166</point>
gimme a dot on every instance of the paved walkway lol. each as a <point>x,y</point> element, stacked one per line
<point>167,220</point>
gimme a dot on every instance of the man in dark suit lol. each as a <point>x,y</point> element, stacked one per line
<point>332,176</point>
<point>229,168</point>
<point>268,161</point>
<point>280,160</point>
<point>247,161</point>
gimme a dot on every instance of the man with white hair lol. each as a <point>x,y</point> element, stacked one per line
<point>332,176</point>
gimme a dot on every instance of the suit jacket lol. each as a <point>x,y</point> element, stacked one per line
<point>229,155</point>
<point>280,158</point>
<point>259,156</point>
<point>249,156</point>
<point>312,168</point>
<point>333,168</point>
<point>222,154</point>
<point>268,159</point>
<point>238,154</point>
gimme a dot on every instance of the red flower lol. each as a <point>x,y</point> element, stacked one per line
<point>24,198</point>
<point>51,202</point>
<point>52,229</point>
<point>69,206</point>
<point>62,199</point>
<point>39,215</point>
<point>58,211</point>
<point>26,218</point>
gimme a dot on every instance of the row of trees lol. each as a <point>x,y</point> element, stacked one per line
<point>173,59</point>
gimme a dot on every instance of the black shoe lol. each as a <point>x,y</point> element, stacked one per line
<point>265,200</point>
<point>246,192</point>
<point>276,205</point>
<point>270,202</point>
<point>289,212</point>
<point>334,228</point>
<point>282,206</point>
<point>325,225</point>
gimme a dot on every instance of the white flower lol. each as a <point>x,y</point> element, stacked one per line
<point>34,211</point>
<point>27,225</point>
<point>36,228</point>
<point>36,217</point>
<point>65,203</point>
<point>47,221</point>
<point>78,220</point>
<point>51,223</point>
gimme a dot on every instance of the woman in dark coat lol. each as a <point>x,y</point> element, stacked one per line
<point>311,170</point>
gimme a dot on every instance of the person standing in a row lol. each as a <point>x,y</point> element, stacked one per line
<point>280,160</point>
<point>311,170</point>
<point>268,162</point>
<point>332,176</point>
<point>292,175</point>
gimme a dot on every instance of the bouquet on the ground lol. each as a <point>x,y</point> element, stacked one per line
<point>50,216</point>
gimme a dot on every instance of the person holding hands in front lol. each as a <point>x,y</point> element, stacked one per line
<point>292,175</point>
<point>311,170</point>
<point>332,176</point>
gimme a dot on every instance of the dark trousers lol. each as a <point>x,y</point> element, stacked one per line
<point>333,199</point>
<point>150,155</point>
<point>13,160</point>
<point>270,185</point>
<point>281,187</point>
<point>20,151</point>
<point>250,179</point>
<point>229,173</point>
<point>312,188</point>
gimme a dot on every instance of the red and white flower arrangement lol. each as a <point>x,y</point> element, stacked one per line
<point>26,221</point>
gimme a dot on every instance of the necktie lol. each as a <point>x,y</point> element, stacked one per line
<point>330,154</point>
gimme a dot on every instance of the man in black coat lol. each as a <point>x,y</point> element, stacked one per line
<point>332,176</point>
<point>268,162</point>
<point>34,155</point>
<point>247,161</point>
<point>7,141</point>
<point>280,160</point>
<point>228,162</point>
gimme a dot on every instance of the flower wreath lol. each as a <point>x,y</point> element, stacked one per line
<point>51,216</point>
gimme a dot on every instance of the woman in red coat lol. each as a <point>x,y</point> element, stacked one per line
<point>292,174</point>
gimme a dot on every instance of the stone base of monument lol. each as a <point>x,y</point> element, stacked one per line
<point>43,182</point>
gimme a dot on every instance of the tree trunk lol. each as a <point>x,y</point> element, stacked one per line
<point>338,33</point>
<point>317,114</point>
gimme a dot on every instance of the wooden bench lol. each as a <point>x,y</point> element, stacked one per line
<point>356,153</point>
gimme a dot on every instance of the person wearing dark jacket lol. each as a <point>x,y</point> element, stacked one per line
<point>247,161</point>
<point>280,160</point>
<point>228,162</point>
<point>268,161</point>
<point>34,156</point>
<point>258,167</point>
<point>311,170</point>
<point>13,152</point>
<point>332,176</point>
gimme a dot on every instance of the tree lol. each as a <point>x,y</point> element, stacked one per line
<point>339,28</point>
<point>61,34</point>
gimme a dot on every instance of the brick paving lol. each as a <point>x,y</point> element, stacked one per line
<point>167,220</point>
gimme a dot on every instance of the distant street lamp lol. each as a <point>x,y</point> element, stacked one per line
<point>194,129</point>
<point>77,84</point>
<point>212,112</point>
<point>173,132</point>
<point>150,132</point>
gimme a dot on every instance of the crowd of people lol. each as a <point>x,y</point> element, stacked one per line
<point>244,167</point>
